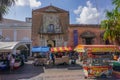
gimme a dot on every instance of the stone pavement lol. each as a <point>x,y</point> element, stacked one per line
<point>61,72</point>
<point>59,76</point>
<point>27,71</point>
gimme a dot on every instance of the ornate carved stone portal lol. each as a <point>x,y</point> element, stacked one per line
<point>49,23</point>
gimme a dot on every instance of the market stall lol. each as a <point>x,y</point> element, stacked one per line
<point>97,59</point>
<point>61,54</point>
<point>40,54</point>
<point>97,48</point>
<point>10,48</point>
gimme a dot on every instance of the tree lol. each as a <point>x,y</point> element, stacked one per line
<point>4,7</point>
<point>117,3</point>
<point>112,24</point>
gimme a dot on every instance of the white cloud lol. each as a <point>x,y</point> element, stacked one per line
<point>31,3</point>
<point>78,11</point>
<point>88,14</point>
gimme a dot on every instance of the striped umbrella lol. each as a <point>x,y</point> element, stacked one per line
<point>60,49</point>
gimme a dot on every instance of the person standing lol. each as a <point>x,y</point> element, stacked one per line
<point>12,62</point>
<point>8,60</point>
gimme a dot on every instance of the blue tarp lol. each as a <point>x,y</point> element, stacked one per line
<point>40,49</point>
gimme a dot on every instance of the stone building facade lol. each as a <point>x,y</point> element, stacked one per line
<point>86,34</point>
<point>16,31</point>
<point>50,27</point>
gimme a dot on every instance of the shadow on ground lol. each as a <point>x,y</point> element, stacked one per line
<point>27,71</point>
<point>65,66</point>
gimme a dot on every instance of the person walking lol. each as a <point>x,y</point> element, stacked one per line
<point>52,57</point>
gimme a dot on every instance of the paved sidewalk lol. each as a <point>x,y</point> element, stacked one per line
<point>60,76</point>
<point>61,72</point>
<point>25,72</point>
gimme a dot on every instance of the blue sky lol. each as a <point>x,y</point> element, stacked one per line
<point>81,11</point>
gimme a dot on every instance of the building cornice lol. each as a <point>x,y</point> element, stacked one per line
<point>85,25</point>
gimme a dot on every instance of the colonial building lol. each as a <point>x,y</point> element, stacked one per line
<point>86,34</point>
<point>16,31</point>
<point>50,27</point>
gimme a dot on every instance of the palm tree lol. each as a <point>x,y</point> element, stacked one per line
<point>4,7</point>
<point>112,24</point>
<point>117,3</point>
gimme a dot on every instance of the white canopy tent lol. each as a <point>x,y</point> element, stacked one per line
<point>11,46</point>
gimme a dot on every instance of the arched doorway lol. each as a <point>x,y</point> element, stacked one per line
<point>51,43</point>
<point>88,37</point>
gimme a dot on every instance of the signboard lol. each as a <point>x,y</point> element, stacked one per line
<point>98,71</point>
<point>103,49</point>
<point>97,48</point>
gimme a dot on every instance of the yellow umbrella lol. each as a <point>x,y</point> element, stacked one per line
<point>79,48</point>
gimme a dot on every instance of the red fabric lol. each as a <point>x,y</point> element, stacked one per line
<point>60,49</point>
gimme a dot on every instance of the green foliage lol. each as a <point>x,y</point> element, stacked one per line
<point>4,6</point>
<point>112,24</point>
<point>116,3</point>
<point>3,11</point>
<point>7,2</point>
